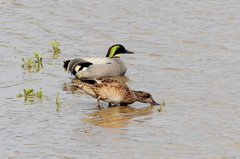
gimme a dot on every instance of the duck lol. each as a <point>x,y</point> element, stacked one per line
<point>89,68</point>
<point>114,92</point>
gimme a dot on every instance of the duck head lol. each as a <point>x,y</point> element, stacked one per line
<point>145,97</point>
<point>116,50</point>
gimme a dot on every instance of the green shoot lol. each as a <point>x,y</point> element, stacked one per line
<point>55,45</point>
<point>159,109</point>
<point>39,94</point>
<point>161,106</point>
<point>29,93</point>
<point>29,63</point>
<point>57,100</point>
<point>39,58</point>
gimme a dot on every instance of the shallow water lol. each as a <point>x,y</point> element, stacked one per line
<point>186,53</point>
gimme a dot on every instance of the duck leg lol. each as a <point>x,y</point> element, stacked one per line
<point>99,104</point>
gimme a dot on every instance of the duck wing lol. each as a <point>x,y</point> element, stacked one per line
<point>76,65</point>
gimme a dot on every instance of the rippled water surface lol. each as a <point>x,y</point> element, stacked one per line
<point>186,53</point>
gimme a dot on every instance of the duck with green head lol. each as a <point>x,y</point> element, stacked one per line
<point>87,68</point>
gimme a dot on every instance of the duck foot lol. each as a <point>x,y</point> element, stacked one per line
<point>99,107</point>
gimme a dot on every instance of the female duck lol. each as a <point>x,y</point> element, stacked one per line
<point>114,91</point>
<point>89,68</point>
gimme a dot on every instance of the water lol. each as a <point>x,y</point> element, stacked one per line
<point>186,53</point>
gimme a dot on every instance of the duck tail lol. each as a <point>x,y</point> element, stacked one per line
<point>77,64</point>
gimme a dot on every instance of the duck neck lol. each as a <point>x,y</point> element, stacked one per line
<point>136,95</point>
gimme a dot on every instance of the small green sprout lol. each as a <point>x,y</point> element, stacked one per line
<point>55,45</point>
<point>57,100</point>
<point>161,105</point>
<point>159,109</point>
<point>29,93</point>
<point>29,63</point>
<point>39,58</point>
<point>39,94</point>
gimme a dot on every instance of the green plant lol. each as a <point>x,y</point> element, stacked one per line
<point>39,94</point>
<point>159,109</point>
<point>55,45</point>
<point>39,58</point>
<point>57,100</point>
<point>29,63</point>
<point>29,93</point>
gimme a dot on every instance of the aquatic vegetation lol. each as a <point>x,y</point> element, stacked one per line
<point>39,58</point>
<point>31,65</point>
<point>161,106</point>
<point>29,93</point>
<point>55,45</point>
<point>57,100</point>
<point>39,94</point>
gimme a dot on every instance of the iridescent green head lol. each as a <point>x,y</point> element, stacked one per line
<point>116,50</point>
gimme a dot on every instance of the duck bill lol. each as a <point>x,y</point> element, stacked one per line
<point>154,103</point>
<point>128,52</point>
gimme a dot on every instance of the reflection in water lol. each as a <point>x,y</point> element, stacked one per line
<point>118,116</point>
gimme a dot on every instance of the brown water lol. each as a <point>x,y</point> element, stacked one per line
<point>186,53</point>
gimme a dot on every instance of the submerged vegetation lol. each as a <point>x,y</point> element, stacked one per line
<point>31,65</point>
<point>55,45</point>
<point>29,93</point>
<point>161,106</point>
<point>39,94</point>
<point>57,100</point>
<point>39,58</point>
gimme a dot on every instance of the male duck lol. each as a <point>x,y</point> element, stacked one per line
<point>88,68</point>
<point>113,91</point>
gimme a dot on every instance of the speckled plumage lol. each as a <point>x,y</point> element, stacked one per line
<point>88,68</point>
<point>114,91</point>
